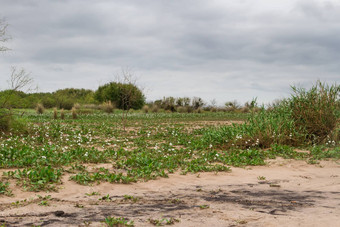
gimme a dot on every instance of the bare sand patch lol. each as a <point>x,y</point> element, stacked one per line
<point>283,193</point>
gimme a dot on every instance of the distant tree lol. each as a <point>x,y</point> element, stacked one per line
<point>124,95</point>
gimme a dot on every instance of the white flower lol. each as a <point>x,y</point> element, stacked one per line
<point>86,154</point>
<point>43,157</point>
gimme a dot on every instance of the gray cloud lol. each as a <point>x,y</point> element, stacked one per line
<point>214,49</point>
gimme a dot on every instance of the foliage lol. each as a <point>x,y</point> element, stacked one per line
<point>4,189</point>
<point>125,96</point>
<point>315,111</point>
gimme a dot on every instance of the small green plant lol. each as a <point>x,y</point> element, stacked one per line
<point>131,198</point>
<point>113,221</point>
<point>37,178</point>
<point>105,198</point>
<point>261,178</point>
<point>44,200</point>
<point>204,206</point>
<point>4,189</point>
<point>92,193</point>
<point>163,221</point>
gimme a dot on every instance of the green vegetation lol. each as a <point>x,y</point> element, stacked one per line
<point>124,95</point>
<point>112,221</point>
<point>155,145</point>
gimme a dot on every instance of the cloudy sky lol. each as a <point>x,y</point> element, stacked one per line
<point>214,49</point>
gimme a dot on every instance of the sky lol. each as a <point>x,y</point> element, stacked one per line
<point>218,50</point>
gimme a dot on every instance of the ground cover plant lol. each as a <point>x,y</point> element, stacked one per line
<point>153,145</point>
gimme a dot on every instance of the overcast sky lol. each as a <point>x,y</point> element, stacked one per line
<point>214,49</point>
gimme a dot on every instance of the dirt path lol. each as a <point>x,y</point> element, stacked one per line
<point>284,193</point>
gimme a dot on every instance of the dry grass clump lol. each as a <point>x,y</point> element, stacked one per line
<point>77,106</point>
<point>74,113</point>
<point>181,109</point>
<point>146,109</point>
<point>62,114</point>
<point>213,109</point>
<point>55,113</point>
<point>155,109</point>
<point>108,107</point>
<point>40,108</point>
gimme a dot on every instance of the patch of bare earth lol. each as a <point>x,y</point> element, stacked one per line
<point>283,193</point>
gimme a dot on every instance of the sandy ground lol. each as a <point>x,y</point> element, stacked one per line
<point>292,194</point>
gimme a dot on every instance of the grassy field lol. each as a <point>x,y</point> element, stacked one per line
<point>152,145</point>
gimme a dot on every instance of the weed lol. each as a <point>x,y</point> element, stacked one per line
<point>112,221</point>
<point>105,198</point>
<point>92,193</point>
<point>163,221</point>
<point>204,206</point>
<point>261,178</point>
<point>4,189</point>
<point>37,178</point>
<point>131,198</point>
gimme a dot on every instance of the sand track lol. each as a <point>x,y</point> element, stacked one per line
<point>292,194</point>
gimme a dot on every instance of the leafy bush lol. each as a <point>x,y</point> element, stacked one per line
<point>125,96</point>
<point>315,111</point>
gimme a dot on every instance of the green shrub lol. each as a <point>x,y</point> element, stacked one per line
<point>5,120</point>
<point>10,123</point>
<point>315,111</point>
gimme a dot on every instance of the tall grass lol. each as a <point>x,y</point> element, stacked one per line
<point>315,111</point>
<point>307,117</point>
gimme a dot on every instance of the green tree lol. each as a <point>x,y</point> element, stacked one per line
<point>124,95</point>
